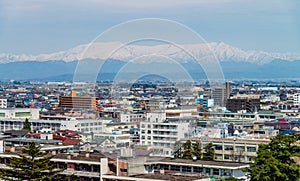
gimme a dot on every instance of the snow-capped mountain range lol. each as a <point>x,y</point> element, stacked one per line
<point>221,51</point>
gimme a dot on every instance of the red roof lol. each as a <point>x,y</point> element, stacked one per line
<point>34,134</point>
<point>58,137</point>
<point>71,135</point>
<point>282,120</point>
<point>71,142</point>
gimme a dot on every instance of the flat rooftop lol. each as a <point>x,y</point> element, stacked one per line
<point>201,163</point>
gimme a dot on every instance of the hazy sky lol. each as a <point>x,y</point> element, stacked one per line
<point>44,26</point>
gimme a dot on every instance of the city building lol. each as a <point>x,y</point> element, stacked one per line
<point>232,149</point>
<point>219,95</point>
<point>205,102</point>
<point>82,166</point>
<point>297,99</point>
<point>85,125</point>
<point>160,133</point>
<point>238,116</point>
<point>19,113</point>
<point>120,139</point>
<point>3,103</point>
<point>250,103</point>
<point>129,118</point>
<point>190,166</point>
<point>74,101</point>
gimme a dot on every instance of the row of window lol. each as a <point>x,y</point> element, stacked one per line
<point>91,124</point>
<point>234,157</point>
<point>79,167</point>
<point>237,148</point>
<point>188,169</point>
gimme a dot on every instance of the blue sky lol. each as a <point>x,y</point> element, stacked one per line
<point>45,26</point>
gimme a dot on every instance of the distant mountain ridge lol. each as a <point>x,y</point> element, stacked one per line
<point>64,71</point>
<point>223,52</point>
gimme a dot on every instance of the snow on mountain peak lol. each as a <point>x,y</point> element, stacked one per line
<point>221,51</point>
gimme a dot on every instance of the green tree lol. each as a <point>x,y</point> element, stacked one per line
<point>209,152</point>
<point>231,178</point>
<point>177,149</point>
<point>196,150</point>
<point>31,165</point>
<point>274,161</point>
<point>188,150</point>
<point>27,125</point>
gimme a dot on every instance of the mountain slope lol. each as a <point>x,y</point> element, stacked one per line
<point>222,51</point>
<point>64,71</point>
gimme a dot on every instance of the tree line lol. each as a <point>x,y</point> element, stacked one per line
<point>189,150</point>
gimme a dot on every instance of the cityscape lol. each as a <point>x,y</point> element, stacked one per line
<point>190,91</point>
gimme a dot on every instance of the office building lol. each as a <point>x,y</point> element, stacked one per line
<point>74,101</point>
<point>221,94</point>
<point>297,99</point>
<point>240,102</point>
<point>160,134</point>
<point>3,103</point>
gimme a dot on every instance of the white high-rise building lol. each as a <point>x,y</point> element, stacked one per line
<point>297,99</point>
<point>3,103</point>
<point>160,134</point>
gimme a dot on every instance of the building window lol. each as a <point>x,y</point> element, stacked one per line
<point>198,169</point>
<point>240,148</point>
<point>251,149</point>
<point>226,157</point>
<point>96,168</point>
<point>77,167</point>
<point>218,156</point>
<point>228,147</point>
<point>216,172</point>
<point>218,147</point>
<point>225,172</point>
<point>184,168</point>
<point>165,167</point>
<point>250,158</point>
<point>207,170</point>
<point>123,170</point>
<point>175,168</point>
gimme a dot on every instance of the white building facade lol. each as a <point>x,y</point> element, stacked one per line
<point>297,99</point>
<point>160,134</point>
<point>3,103</point>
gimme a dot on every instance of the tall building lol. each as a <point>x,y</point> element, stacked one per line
<point>249,103</point>
<point>160,133</point>
<point>74,101</point>
<point>221,94</point>
<point>228,90</point>
<point>3,103</point>
<point>296,99</point>
<point>204,101</point>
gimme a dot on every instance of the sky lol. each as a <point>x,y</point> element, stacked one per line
<point>46,26</point>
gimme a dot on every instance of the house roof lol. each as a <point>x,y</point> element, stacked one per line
<point>70,142</point>
<point>16,133</point>
<point>141,152</point>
